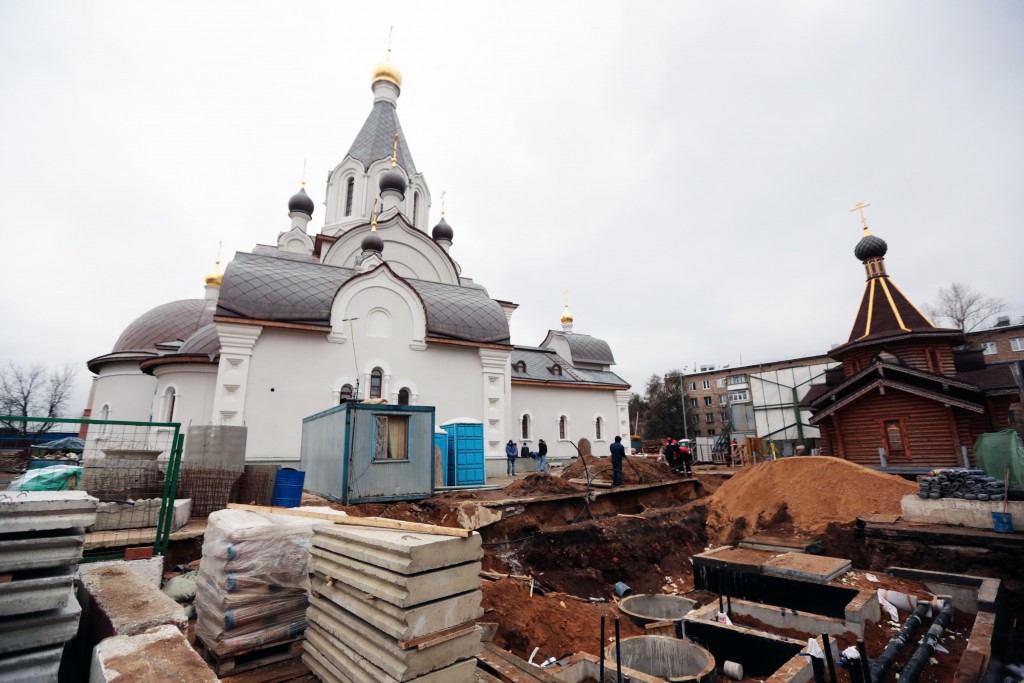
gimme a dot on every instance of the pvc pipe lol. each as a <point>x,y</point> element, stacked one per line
<point>881,666</point>
<point>828,658</point>
<point>533,654</point>
<point>733,670</point>
<point>913,668</point>
<point>602,650</point>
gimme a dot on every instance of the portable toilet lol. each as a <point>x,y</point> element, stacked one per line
<point>465,466</point>
<point>366,452</point>
<point>441,469</point>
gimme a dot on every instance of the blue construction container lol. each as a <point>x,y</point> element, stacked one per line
<point>441,443</point>
<point>465,466</point>
<point>363,453</point>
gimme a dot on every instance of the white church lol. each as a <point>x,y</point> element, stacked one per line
<point>372,306</point>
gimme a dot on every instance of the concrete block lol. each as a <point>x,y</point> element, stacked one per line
<point>959,512</point>
<point>376,652</point>
<point>37,550</point>
<point>36,666</point>
<point>139,514</point>
<point>399,551</point>
<point>123,604</point>
<point>403,624</point>
<point>216,446</point>
<point>160,655</point>
<point>150,570</point>
<point>46,510</point>
<point>38,591</point>
<point>40,629</point>
<point>398,589</point>
<point>333,662</point>
<point>817,568</point>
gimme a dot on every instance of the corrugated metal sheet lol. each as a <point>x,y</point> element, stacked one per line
<point>338,454</point>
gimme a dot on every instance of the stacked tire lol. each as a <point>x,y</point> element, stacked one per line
<point>968,484</point>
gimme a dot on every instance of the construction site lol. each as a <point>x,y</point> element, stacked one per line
<point>805,568</point>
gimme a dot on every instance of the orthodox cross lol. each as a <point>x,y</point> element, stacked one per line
<point>860,207</point>
<point>443,193</point>
<point>394,151</point>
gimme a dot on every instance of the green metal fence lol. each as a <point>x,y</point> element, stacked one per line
<point>132,468</point>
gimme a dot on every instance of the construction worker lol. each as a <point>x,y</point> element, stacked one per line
<point>618,453</point>
<point>687,459</point>
<point>511,452</point>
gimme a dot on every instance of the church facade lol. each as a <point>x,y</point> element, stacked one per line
<point>372,306</point>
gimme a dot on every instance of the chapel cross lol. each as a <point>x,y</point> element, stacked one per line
<point>860,207</point>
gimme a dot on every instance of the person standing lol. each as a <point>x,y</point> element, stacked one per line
<point>511,453</point>
<point>618,453</point>
<point>542,457</point>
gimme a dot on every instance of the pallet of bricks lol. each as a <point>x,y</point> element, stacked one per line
<point>252,589</point>
<point>41,538</point>
<point>393,605</point>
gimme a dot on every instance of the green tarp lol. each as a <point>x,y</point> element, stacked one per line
<point>996,451</point>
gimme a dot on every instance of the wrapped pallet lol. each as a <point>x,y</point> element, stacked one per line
<point>253,583</point>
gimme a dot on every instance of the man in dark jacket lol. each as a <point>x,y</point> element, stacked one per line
<point>511,452</point>
<point>618,453</point>
<point>542,457</point>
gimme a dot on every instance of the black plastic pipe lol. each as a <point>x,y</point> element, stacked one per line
<point>618,654</point>
<point>881,666</point>
<point>913,668</point>
<point>828,658</point>
<point>602,649</point>
<point>818,667</point>
<point>865,663</point>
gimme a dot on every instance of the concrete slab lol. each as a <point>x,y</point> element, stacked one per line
<point>398,589</point>
<point>160,655</point>
<point>399,551</point>
<point>139,514</point>
<point>36,666</point>
<point>782,544</point>
<point>817,568</point>
<point>123,604</point>
<point>37,550</point>
<point>345,665</point>
<point>150,570</point>
<point>957,511</point>
<point>46,510</point>
<point>37,591</point>
<point>41,629</point>
<point>402,624</point>
<point>379,652</point>
<point>737,559</point>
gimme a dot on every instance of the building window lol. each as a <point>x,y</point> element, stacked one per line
<point>416,209</point>
<point>350,191</point>
<point>720,382</point>
<point>988,348</point>
<point>556,370</point>
<point>391,437</point>
<point>693,386</point>
<point>736,379</point>
<point>598,423</point>
<point>706,384</point>
<point>708,400</point>
<point>739,396</point>
<point>696,433</point>
<point>170,396</point>
<point>519,366</point>
<point>1017,344</point>
<point>346,394</point>
<point>526,427</point>
<point>934,361</point>
<point>711,432</point>
<point>895,437</point>
<point>403,397</point>
<point>563,428</point>
<point>709,417</point>
<point>723,400</point>
<point>693,403</point>
<point>376,382</point>
<point>725,416</point>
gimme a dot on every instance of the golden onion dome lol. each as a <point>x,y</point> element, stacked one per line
<point>386,71</point>
<point>214,277</point>
<point>566,315</point>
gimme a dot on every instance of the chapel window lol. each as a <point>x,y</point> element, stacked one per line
<point>169,398</point>
<point>934,360</point>
<point>376,382</point>
<point>526,427</point>
<point>403,397</point>
<point>562,427</point>
<point>894,436</point>
<point>346,393</point>
<point>519,366</point>
<point>597,429</point>
<point>350,191</point>
<point>416,209</point>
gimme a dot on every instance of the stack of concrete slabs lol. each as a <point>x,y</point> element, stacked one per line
<point>393,606</point>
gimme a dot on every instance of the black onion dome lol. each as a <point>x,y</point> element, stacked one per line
<point>442,231</point>
<point>372,242</point>
<point>391,179</point>
<point>301,202</point>
<point>870,247</point>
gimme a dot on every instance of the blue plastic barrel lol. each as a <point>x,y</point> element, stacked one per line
<point>288,488</point>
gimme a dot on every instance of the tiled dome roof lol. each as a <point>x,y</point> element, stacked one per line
<point>175,321</point>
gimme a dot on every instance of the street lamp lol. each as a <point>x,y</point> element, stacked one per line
<point>682,394</point>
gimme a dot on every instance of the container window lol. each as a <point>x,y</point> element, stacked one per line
<point>391,437</point>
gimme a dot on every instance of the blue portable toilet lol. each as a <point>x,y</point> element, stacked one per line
<point>465,466</point>
<point>441,443</point>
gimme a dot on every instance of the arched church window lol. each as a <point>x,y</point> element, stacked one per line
<point>346,393</point>
<point>105,412</point>
<point>562,427</point>
<point>556,370</point>
<point>403,397</point>
<point>350,190</point>
<point>376,382</point>
<point>519,366</point>
<point>416,209</point>
<point>169,398</point>
<point>526,426</point>
<point>598,424</point>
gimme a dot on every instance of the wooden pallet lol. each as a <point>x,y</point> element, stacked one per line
<point>251,658</point>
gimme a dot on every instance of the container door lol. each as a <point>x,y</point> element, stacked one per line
<point>469,461</point>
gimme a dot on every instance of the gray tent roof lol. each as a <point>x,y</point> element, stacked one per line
<point>539,361</point>
<point>377,137</point>
<point>268,288</point>
<point>205,340</point>
<point>589,349</point>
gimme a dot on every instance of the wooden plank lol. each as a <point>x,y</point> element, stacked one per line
<point>376,522</point>
<point>596,483</point>
<point>288,670</point>
<point>510,668</point>
<point>250,658</point>
<point>438,636</point>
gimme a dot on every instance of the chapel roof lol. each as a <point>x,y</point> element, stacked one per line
<point>376,138</point>
<point>589,349</point>
<point>174,321</point>
<point>539,364</point>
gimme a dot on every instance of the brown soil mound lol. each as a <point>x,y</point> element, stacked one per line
<point>802,494</point>
<point>558,623</point>
<point>634,470</point>
<point>538,482</point>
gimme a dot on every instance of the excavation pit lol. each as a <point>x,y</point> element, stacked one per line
<point>762,655</point>
<point>669,658</point>
<point>650,608</point>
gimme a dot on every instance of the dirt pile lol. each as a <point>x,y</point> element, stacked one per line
<point>802,495</point>
<point>634,470</point>
<point>540,483</point>
<point>558,623</point>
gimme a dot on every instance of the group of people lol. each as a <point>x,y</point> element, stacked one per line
<point>678,457</point>
<point>512,453</point>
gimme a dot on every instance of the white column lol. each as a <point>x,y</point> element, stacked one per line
<point>236,344</point>
<point>497,399</point>
<point>621,426</point>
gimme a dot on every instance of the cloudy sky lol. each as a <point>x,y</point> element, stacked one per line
<point>685,170</point>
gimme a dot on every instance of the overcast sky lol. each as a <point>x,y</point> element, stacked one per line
<point>685,170</point>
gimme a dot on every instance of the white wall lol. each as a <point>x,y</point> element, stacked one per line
<point>127,391</point>
<point>581,407</point>
<point>193,385</point>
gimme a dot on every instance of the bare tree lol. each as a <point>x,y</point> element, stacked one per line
<point>963,306</point>
<point>34,391</point>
